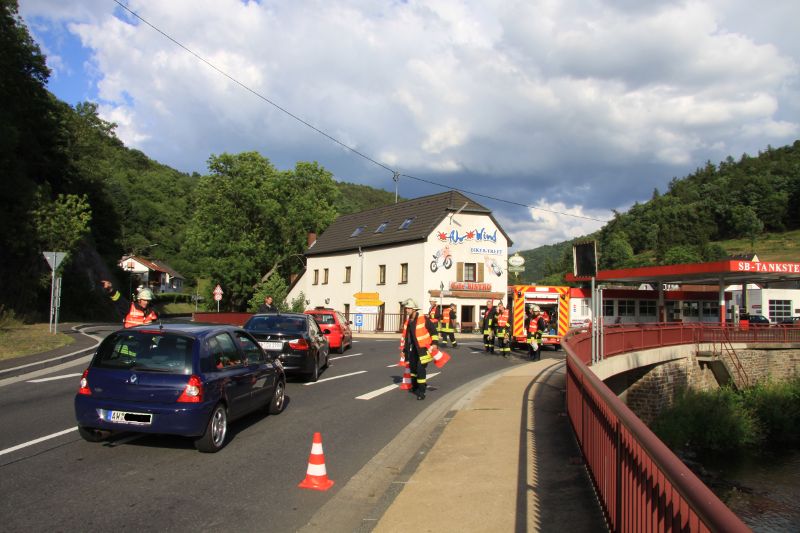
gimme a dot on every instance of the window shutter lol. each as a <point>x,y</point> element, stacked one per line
<point>479,267</point>
<point>460,271</point>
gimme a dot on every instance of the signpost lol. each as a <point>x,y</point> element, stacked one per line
<point>54,259</point>
<point>218,295</point>
<point>515,263</point>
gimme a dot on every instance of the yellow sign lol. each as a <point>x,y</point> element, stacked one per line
<point>365,299</point>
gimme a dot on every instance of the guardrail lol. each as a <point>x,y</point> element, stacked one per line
<point>641,484</point>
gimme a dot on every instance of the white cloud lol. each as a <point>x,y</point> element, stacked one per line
<point>588,103</point>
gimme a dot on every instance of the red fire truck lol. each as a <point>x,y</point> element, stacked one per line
<point>554,303</point>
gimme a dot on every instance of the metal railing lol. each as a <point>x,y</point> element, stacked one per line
<point>641,484</point>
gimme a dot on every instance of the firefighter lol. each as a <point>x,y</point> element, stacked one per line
<point>434,316</point>
<point>137,312</point>
<point>501,330</point>
<point>535,325</point>
<point>418,346</point>
<point>447,326</point>
<point>487,326</point>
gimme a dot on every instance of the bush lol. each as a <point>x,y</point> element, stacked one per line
<point>777,406</point>
<point>709,421</point>
<point>166,298</point>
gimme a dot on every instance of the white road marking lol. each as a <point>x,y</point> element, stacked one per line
<point>65,376</point>
<point>343,356</point>
<point>336,377</point>
<point>37,441</point>
<point>383,390</point>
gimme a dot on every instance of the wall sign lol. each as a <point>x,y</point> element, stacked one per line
<point>469,286</point>
<point>457,237</point>
<point>485,251</point>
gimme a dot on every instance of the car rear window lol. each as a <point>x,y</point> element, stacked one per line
<point>276,323</point>
<point>324,319</point>
<point>146,351</point>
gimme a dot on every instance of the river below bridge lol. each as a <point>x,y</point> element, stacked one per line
<point>763,490</point>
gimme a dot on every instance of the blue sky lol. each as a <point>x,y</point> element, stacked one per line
<point>576,107</point>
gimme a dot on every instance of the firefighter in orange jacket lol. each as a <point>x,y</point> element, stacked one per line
<point>136,313</point>
<point>434,316</point>
<point>501,330</point>
<point>535,325</point>
<point>447,326</point>
<point>418,346</point>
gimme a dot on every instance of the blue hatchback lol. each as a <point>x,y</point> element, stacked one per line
<point>177,379</point>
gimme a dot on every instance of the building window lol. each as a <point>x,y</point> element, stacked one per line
<point>403,272</point>
<point>647,308</point>
<point>585,307</point>
<point>469,272</point>
<point>325,277</point>
<point>406,223</point>
<point>691,309</point>
<point>710,309</point>
<point>627,307</point>
<point>316,276</point>
<point>381,274</point>
<point>347,274</point>
<point>358,231</point>
<point>779,309</point>
<point>608,307</point>
<point>382,227</point>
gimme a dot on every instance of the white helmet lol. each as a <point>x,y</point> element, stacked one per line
<point>145,294</point>
<point>411,304</point>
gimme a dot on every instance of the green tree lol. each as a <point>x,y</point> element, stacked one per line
<point>617,252</point>
<point>746,223</point>
<point>251,221</point>
<point>275,287</point>
<point>63,222</point>
<point>681,254</point>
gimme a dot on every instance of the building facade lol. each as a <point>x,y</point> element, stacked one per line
<point>444,247</point>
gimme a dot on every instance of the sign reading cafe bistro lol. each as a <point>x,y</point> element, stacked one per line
<point>469,286</point>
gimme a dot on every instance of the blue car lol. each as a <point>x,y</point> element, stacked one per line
<point>177,379</point>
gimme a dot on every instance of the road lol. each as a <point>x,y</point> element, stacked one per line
<point>50,479</point>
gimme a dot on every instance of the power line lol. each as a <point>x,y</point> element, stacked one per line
<point>395,174</point>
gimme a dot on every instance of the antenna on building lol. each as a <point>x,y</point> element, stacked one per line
<point>396,179</point>
<point>452,221</point>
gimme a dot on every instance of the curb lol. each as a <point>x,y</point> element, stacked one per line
<point>48,359</point>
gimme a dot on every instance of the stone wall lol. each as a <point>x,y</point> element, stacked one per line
<point>649,390</point>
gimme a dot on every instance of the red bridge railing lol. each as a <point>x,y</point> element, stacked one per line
<point>641,484</point>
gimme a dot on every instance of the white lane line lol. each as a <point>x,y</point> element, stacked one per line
<point>383,390</point>
<point>336,377</point>
<point>390,366</point>
<point>65,376</point>
<point>343,356</point>
<point>37,441</point>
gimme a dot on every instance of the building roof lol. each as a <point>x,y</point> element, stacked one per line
<point>152,264</point>
<point>423,213</point>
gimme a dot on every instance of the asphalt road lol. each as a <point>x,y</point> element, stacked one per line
<point>145,483</point>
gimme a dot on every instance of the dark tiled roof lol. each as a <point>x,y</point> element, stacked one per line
<point>427,212</point>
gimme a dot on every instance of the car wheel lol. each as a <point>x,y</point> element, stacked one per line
<point>92,434</point>
<point>340,349</point>
<point>278,400</point>
<point>214,438</point>
<point>314,375</point>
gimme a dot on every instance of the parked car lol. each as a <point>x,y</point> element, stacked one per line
<point>293,338</point>
<point>790,321</point>
<point>758,320</point>
<point>335,327</point>
<point>178,379</point>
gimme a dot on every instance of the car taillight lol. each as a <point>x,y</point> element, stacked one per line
<point>84,385</point>
<point>298,344</point>
<point>193,392</point>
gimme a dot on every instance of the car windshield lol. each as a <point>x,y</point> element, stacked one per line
<point>276,323</point>
<point>146,351</point>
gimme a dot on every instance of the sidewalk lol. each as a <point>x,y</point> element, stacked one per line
<point>506,461</point>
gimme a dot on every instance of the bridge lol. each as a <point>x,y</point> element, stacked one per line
<point>640,483</point>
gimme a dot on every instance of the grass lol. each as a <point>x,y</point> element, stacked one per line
<point>17,339</point>
<point>768,247</point>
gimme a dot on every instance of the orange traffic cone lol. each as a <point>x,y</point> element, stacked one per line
<point>440,358</point>
<point>406,384</point>
<point>316,475</point>
<point>402,361</point>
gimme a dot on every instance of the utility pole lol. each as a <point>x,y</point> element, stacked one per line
<point>396,179</point>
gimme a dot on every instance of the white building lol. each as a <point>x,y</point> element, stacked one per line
<point>774,303</point>
<point>156,275</point>
<point>444,247</point>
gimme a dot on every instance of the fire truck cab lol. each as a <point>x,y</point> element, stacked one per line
<point>554,303</point>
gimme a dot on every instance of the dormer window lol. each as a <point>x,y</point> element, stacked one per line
<point>406,223</point>
<point>382,228</point>
<point>358,231</point>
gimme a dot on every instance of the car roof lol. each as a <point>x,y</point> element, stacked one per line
<point>319,310</point>
<point>195,329</point>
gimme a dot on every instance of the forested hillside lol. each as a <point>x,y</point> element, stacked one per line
<point>750,199</point>
<point>69,184</point>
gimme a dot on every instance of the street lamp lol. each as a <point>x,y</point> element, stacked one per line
<point>361,255</point>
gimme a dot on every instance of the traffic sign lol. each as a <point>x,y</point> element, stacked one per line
<point>54,258</point>
<point>218,293</point>
<point>359,320</point>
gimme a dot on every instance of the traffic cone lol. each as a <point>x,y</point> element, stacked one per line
<point>316,475</point>
<point>406,384</point>
<point>402,361</point>
<point>440,358</point>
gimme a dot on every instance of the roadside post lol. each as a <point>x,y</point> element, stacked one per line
<point>218,295</point>
<point>359,321</point>
<point>54,259</point>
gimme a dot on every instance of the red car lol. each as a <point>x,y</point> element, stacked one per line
<point>335,327</point>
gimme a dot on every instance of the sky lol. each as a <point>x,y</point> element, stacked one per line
<point>551,113</point>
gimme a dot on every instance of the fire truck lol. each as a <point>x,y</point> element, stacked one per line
<point>554,303</point>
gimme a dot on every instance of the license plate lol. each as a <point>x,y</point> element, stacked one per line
<point>275,346</point>
<point>125,417</point>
